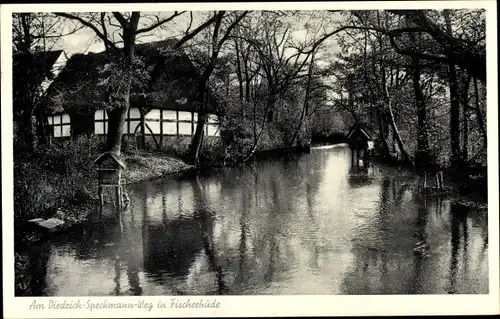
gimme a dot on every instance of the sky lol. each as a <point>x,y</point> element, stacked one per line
<point>85,40</point>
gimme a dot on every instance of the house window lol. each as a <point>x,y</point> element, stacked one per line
<point>160,122</point>
<point>212,127</point>
<point>132,122</point>
<point>61,125</point>
<point>100,122</point>
<point>152,120</point>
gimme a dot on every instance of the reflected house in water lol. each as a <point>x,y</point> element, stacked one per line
<point>174,236</point>
<point>360,175</point>
<point>171,247</point>
<point>162,109</point>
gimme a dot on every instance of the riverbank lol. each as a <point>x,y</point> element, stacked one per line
<point>147,166</point>
<point>469,181</point>
<point>141,166</point>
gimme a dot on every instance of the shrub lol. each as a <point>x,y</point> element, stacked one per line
<point>55,176</point>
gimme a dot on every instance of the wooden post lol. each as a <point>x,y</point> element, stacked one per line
<point>161,128</point>
<point>192,122</point>
<point>104,126</point>
<point>177,125</point>
<point>425,181</point>
<point>101,201</point>
<point>441,178</point>
<point>119,210</point>
<point>119,197</point>
<point>128,121</point>
<point>437,181</point>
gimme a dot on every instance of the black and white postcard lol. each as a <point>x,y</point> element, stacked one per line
<point>250,159</point>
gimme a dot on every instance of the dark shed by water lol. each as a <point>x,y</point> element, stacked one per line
<point>359,137</point>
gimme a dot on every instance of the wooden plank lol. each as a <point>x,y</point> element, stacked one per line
<point>177,123</point>
<point>128,121</point>
<point>192,123</point>
<point>161,128</point>
<point>104,126</point>
<point>60,123</point>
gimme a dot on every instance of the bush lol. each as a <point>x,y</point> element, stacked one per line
<point>55,176</point>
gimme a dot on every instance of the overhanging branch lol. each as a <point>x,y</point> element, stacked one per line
<point>160,22</point>
<point>89,25</point>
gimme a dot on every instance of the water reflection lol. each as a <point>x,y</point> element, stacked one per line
<point>310,224</point>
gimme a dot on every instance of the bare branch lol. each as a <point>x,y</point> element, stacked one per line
<point>160,23</point>
<point>191,35</point>
<point>110,22</point>
<point>231,27</point>
<point>90,25</point>
<point>121,19</point>
<point>190,22</point>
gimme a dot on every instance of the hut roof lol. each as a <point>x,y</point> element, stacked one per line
<point>171,85</point>
<point>362,129</point>
<point>115,157</point>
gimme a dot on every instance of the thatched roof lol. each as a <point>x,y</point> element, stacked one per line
<point>172,81</point>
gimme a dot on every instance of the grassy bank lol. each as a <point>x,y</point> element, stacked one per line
<point>146,166</point>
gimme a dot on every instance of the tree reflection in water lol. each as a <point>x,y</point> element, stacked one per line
<point>205,220</point>
<point>130,253</point>
<point>459,236</point>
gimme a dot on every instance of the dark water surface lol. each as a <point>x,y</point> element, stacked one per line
<point>306,225</point>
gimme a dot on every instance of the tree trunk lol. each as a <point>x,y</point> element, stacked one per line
<point>194,153</point>
<point>396,134</point>
<point>454,103</point>
<point>306,102</point>
<point>479,115</point>
<point>202,101</point>
<point>116,119</point>
<point>247,80</point>
<point>26,126</point>
<point>143,127</point>
<point>201,97</point>
<point>392,121</point>
<point>121,99</point>
<point>254,122</point>
<point>239,73</point>
<point>269,106</point>
<point>422,155</point>
<point>454,115</point>
<point>465,119</point>
<point>387,98</point>
<point>42,134</point>
<point>382,135</point>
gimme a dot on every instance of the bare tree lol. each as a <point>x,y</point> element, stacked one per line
<point>202,101</point>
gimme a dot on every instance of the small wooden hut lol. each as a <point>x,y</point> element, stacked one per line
<point>360,142</point>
